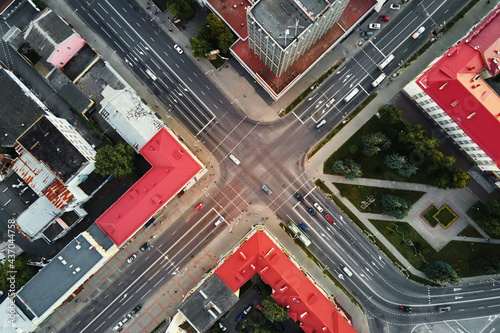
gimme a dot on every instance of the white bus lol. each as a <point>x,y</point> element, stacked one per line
<point>378,80</point>
<point>349,96</point>
<point>386,61</point>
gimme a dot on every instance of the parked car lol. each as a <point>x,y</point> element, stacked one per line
<point>374,26</point>
<point>144,247</point>
<point>279,326</point>
<point>298,196</point>
<point>318,207</point>
<point>243,314</point>
<point>418,33</point>
<point>311,211</point>
<point>198,206</point>
<point>329,219</point>
<point>395,6</point>
<point>257,289</point>
<point>118,327</point>
<point>222,326</point>
<point>266,189</point>
<point>384,18</point>
<point>136,309</point>
<point>366,33</point>
<point>127,317</point>
<point>178,49</point>
<point>404,308</point>
<point>132,258</point>
<point>304,227</point>
<point>258,307</point>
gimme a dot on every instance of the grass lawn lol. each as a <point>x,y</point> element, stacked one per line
<point>373,166</point>
<point>445,216</point>
<point>217,62</point>
<point>470,231</point>
<point>358,193</point>
<point>428,215</point>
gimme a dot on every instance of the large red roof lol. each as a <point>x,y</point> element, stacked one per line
<point>172,167</point>
<point>455,84</point>
<point>260,255</point>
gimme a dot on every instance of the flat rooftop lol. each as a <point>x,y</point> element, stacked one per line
<point>18,110</point>
<point>277,17</point>
<point>47,144</point>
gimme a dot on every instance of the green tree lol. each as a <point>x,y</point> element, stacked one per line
<point>200,46</point>
<point>389,114</point>
<point>441,272</point>
<point>395,161</point>
<point>348,168</point>
<point>256,323</point>
<point>115,160</point>
<point>273,311</point>
<point>487,216</point>
<point>23,273</point>
<point>442,179</point>
<point>395,206</point>
<point>374,143</point>
<point>487,265</point>
<point>221,32</point>
<point>415,137</point>
<point>407,170</point>
<point>460,178</point>
<point>183,9</point>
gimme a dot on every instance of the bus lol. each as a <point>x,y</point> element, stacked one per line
<point>378,80</point>
<point>353,93</point>
<point>386,61</point>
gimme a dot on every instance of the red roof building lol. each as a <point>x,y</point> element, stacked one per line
<point>309,305</point>
<point>173,166</point>
<point>455,93</point>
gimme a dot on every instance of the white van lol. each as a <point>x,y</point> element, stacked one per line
<point>151,74</point>
<point>378,80</point>
<point>347,271</point>
<point>219,220</point>
<point>321,123</point>
<point>350,96</point>
<point>234,159</point>
<point>330,102</point>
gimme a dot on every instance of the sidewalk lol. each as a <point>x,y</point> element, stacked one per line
<point>465,197</point>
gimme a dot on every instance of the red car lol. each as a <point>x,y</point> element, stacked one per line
<point>258,307</point>
<point>384,18</point>
<point>329,219</point>
<point>198,206</point>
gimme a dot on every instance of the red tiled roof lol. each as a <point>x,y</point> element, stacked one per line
<point>172,167</point>
<point>260,255</point>
<point>454,83</point>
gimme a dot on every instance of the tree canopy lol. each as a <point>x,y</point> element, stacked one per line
<point>216,35</point>
<point>374,143</point>
<point>348,168</point>
<point>441,272</point>
<point>23,273</point>
<point>415,137</point>
<point>273,311</point>
<point>389,114</point>
<point>487,216</point>
<point>183,9</point>
<point>115,160</point>
<point>395,206</point>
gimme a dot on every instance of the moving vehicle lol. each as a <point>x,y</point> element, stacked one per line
<point>366,33</point>
<point>384,18</point>
<point>151,74</point>
<point>311,211</point>
<point>331,101</point>
<point>144,247</point>
<point>234,159</point>
<point>136,309</point>
<point>418,33</point>
<point>378,80</point>
<point>329,219</point>
<point>443,309</point>
<point>374,26</point>
<point>395,7</point>
<point>266,189</point>
<point>386,61</point>
<point>304,227</point>
<point>351,95</point>
<point>318,207</point>
<point>178,49</point>
<point>321,123</point>
<point>347,270</point>
<point>298,196</point>
<point>198,206</point>
<point>404,308</point>
<point>132,258</point>
<point>219,220</point>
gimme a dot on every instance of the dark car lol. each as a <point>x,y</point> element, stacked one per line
<point>257,289</point>
<point>404,308</point>
<point>366,33</point>
<point>298,196</point>
<point>144,247</point>
<point>136,309</point>
<point>311,211</point>
<point>304,227</point>
<point>279,326</point>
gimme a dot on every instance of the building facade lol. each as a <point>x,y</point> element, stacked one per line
<point>280,32</point>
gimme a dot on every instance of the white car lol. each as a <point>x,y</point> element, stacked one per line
<point>118,327</point>
<point>374,26</point>
<point>318,207</point>
<point>132,258</point>
<point>395,7</point>
<point>178,49</point>
<point>234,159</point>
<point>418,33</point>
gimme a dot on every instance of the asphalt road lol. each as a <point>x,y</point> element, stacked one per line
<point>271,154</point>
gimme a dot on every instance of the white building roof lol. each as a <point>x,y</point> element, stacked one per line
<point>132,119</point>
<point>34,219</point>
<point>20,323</point>
<point>34,173</point>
